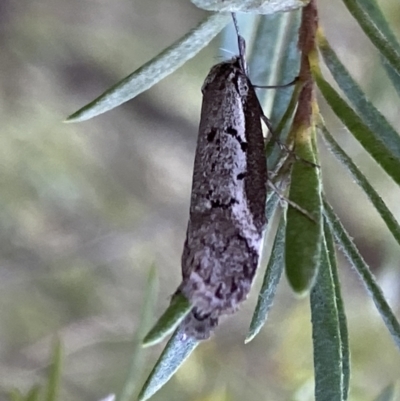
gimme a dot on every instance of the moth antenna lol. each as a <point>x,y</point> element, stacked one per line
<point>241,44</point>
<point>226,51</point>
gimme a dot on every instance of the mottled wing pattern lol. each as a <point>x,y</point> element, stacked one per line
<point>227,211</point>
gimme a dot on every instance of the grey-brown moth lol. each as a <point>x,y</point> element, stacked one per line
<point>227,210</point>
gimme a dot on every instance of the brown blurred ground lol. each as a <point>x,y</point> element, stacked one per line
<point>87,208</point>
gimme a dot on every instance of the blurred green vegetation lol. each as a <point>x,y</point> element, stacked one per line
<point>86,209</point>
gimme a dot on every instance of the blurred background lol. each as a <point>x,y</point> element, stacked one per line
<point>88,208</point>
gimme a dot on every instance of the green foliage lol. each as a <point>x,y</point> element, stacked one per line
<point>351,252</point>
<point>175,353</point>
<point>303,234</point>
<point>310,258</point>
<point>169,321</point>
<point>304,246</point>
<point>270,283</point>
<point>50,391</point>
<point>329,335</point>
<point>155,70</point>
<point>128,390</point>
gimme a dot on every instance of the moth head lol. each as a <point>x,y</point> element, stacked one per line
<point>223,72</point>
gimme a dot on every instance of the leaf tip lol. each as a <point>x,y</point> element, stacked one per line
<point>152,338</point>
<point>76,117</point>
<point>169,321</point>
<point>303,287</point>
<point>249,338</point>
<point>142,395</point>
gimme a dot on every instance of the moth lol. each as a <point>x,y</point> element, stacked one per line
<point>227,209</point>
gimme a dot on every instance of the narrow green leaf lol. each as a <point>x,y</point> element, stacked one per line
<point>252,6</point>
<point>326,334</point>
<point>393,76</point>
<point>357,262</point>
<point>275,62</point>
<point>303,235</point>
<point>344,335</point>
<point>287,116</point>
<point>272,204</point>
<point>262,56</point>
<point>376,15</point>
<point>178,348</point>
<point>288,65</point>
<point>33,394</point>
<point>377,149</point>
<point>154,70</point>
<point>15,395</point>
<point>281,181</point>
<point>376,122</point>
<point>360,179</point>
<point>387,394</point>
<point>274,152</point>
<point>270,283</point>
<point>376,35</point>
<point>137,360</point>
<point>54,377</point>
<point>169,321</point>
